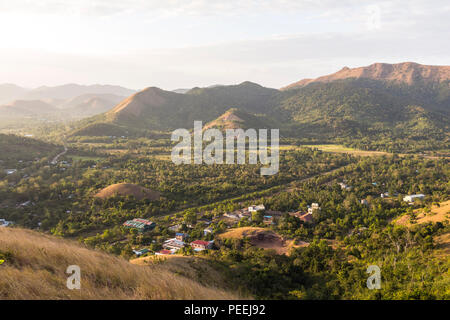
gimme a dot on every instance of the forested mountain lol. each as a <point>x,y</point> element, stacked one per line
<point>343,109</point>
<point>406,72</point>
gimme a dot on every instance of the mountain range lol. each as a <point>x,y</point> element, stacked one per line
<point>405,102</point>
<point>406,72</point>
<point>78,101</point>
<point>365,103</point>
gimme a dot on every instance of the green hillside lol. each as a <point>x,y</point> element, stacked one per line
<point>372,113</point>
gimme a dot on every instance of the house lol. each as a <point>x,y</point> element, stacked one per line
<point>413,197</point>
<point>4,223</point>
<point>175,228</point>
<point>200,245</point>
<point>207,230</point>
<point>173,244</point>
<point>10,171</point>
<point>141,224</point>
<point>268,220</point>
<point>274,213</point>
<point>384,195</point>
<point>140,252</point>
<point>163,252</point>
<point>232,215</point>
<point>180,236</point>
<point>345,186</point>
<point>307,217</point>
<point>205,221</point>
<point>296,214</point>
<point>25,204</point>
<point>364,202</point>
<point>256,208</point>
<point>314,206</point>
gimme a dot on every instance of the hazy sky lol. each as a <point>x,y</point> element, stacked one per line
<point>182,43</point>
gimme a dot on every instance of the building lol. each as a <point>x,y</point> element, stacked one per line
<point>180,236</point>
<point>345,186</point>
<point>232,215</point>
<point>314,206</point>
<point>175,228</point>
<point>296,214</point>
<point>163,252</point>
<point>256,208</point>
<point>141,225</point>
<point>306,217</point>
<point>140,252</point>
<point>173,244</point>
<point>207,230</point>
<point>268,220</point>
<point>10,171</point>
<point>413,197</point>
<point>364,202</point>
<point>274,213</point>
<point>200,245</point>
<point>205,221</point>
<point>4,223</point>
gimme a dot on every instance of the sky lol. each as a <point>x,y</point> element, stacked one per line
<point>175,44</point>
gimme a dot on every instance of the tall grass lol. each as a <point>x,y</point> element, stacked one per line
<point>35,266</point>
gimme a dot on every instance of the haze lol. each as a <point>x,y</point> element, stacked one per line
<point>182,44</point>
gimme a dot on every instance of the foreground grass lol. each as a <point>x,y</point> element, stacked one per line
<point>35,266</point>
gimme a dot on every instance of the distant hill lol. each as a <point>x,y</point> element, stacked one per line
<point>85,98</point>
<point>103,276</point>
<point>406,72</point>
<point>70,91</point>
<point>9,92</point>
<point>157,109</point>
<point>128,189</point>
<point>237,119</point>
<point>20,108</point>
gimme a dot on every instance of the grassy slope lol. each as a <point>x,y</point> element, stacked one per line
<point>35,266</point>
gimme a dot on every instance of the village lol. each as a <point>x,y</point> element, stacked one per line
<point>256,215</point>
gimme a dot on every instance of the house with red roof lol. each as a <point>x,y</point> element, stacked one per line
<point>199,245</point>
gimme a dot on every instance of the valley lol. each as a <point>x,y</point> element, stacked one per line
<point>99,190</point>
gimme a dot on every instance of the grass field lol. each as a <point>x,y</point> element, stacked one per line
<point>336,148</point>
<point>439,213</point>
<point>84,158</point>
<point>35,266</point>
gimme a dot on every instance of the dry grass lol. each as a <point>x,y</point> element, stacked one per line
<point>443,244</point>
<point>439,213</point>
<point>192,267</point>
<point>35,267</point>
<point>128,189</point>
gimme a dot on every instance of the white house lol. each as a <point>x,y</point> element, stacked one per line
<point>173,244</point>
<point>256,208</point>
<point>314,206</point>
<point>4,223</point>
<point>411,198</point>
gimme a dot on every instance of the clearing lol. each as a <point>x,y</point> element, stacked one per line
<point>439,213</point>
<point>262,238</point>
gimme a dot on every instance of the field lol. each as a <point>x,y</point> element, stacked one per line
<point>262,238</point>
<point>335,148</point>
<point>439,213</point>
